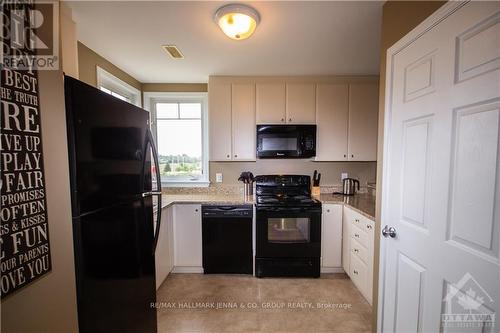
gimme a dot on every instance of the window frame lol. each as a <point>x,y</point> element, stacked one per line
<point>150,100</point>
<point>108,81</point>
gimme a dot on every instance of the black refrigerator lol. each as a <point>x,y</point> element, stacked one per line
<point>115,190</point>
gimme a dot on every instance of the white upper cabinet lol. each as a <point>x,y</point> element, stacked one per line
<point>301,103</point>
<point>363,121</point>
<point>344,110</point>
<point>219,109</point>
<point>271,103</point>
<point>243,121</point>
<point>332,114</point>
<point>231,120</point>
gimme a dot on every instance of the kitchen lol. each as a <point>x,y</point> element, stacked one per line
<point>209,183</point>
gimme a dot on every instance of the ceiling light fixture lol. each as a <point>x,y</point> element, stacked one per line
<point>237,21</point>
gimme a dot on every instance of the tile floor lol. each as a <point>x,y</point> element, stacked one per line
<point>188,303</point>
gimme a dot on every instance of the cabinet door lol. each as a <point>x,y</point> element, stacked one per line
<point>363,122</point>
<point>243,121</point>
<point>162,254</point>
<point>332,113</point>
<point>301,103</point>
<point>346,241</point>
<point>187,236</point>
<point>170,234</point>
<point>331,243</point>
<point>271,103</point>
<point>219,110</point>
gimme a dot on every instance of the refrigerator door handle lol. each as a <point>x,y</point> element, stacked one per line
<point>149,194</point>
<point>158,192</point>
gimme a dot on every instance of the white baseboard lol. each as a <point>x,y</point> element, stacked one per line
<point>187,269</point>
<point>332,270</point>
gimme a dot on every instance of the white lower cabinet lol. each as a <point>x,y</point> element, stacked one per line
<point>164,255</point>
<point>346,248</point>
<point>358,251</point>
<point>331,243</point>
<point>187,238</point>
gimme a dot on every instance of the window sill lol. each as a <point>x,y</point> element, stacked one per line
<point>186,184</point>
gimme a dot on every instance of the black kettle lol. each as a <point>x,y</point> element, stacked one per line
<point>349,186</point>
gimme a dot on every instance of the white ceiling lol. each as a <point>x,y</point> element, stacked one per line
<point>293,38</point>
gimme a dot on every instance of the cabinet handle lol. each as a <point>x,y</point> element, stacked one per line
<point>228,155</point>
<point>235,155</point>
<point>282,119</point>
<point>328,211</point>
<point>290,119</point>
<point>352,155</point>
<point>356,220</point>
<point>356,272</point>
<point>368,226</point>
<point>356,235</point>
<point>345,155</point>
<point>196,210</point>
<point>356,250</point>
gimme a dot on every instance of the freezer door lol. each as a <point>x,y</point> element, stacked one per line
<point>115,269</point>
<point>107,140</point>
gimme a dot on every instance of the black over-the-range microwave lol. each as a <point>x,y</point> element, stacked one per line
<point>286,141</point>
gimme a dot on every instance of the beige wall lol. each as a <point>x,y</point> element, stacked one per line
<point>398,18</point>
<point>49,303</point>
<point>69,44</point>
<point>330,171</point>
<point>175,87</point>
<point>88,61</point>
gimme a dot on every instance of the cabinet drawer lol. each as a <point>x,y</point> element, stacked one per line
<point>360,251</point>
<point>359,273</point>
<point>362,222</point>
<point>359,235</point>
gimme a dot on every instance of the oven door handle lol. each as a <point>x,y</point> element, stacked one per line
<point>289,209</point>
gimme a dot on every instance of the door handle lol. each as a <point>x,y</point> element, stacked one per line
<point>389,232</point>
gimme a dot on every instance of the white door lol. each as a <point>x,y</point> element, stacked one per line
<point>441,184</point>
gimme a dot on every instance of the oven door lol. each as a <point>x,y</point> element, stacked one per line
<point>288,232</point>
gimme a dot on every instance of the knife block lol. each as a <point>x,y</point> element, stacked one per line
<point>315,191</point>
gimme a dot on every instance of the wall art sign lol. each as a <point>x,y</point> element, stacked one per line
<point>24,230</point>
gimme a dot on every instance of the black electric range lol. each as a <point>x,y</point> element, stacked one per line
<point>288,227</point>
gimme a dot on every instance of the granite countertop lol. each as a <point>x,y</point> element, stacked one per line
<point>206,198</point>
<point>363,203</point>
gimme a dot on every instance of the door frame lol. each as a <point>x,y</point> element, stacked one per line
<point>434,19</point>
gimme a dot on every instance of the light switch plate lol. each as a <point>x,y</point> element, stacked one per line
<point>218,177</point>
<point>344,175</point>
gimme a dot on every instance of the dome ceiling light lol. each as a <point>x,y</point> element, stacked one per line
<point>237,21</point>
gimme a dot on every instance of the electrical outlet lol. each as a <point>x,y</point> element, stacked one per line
<point>344,175</point>
<point>218,177</point>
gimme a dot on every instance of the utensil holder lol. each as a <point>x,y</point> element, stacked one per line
<point>248,189</point>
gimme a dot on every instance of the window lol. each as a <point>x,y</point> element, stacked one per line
<point>179,124</point>
<point>112,85</point>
